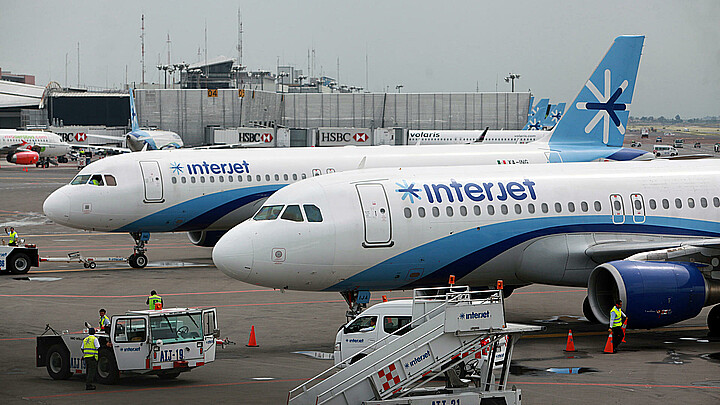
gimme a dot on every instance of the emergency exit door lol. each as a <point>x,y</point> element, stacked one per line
<point>376,215</point>
<point>618,209</point>
<point>152,180</point>
<point>638,208</point>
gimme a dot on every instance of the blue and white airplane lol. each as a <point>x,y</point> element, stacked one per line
<point>140,139</point>
<point>207,192</point>
<point>537,116</point>
<point>553,117</point>
<point>645,232</point>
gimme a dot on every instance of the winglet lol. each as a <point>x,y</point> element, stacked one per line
<point>482,136</point>
<point>599,114</point>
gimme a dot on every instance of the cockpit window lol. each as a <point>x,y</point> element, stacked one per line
<point>110,180</point>
<point>268,212</point>
<point>80,179</point>
<point>292,213</point>
<point>312,213</point>
<point>96,180</point>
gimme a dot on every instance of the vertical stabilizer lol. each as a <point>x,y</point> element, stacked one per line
<point>600,112</point>
<point>133,114</point>
<point>556,112</point>
<point>538,115</point>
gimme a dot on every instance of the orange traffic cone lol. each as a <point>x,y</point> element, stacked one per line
<point>609,344</point>
<point>570,347</point>
<point>624,327</point>
<point>252,342</point>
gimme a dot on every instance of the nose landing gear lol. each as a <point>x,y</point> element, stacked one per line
<point>357,302</point>
<point>138,260</point>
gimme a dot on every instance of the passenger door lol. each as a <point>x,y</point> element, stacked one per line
<point>376,215</point>
<point>129,340</point>
<point>152,180</point>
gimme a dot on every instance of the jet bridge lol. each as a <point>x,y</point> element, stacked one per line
<point>451,328</point>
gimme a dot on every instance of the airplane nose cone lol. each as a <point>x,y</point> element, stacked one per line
<point>233,255</point>
<point>57,206</point>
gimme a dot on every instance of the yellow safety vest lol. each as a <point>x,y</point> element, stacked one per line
<point>152,300</point>
<point>103,320</point>
<point>88,347</point>
<point>618,317</point>
<point>13,237</point>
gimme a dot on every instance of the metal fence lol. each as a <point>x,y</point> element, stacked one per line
<point>189,112</point>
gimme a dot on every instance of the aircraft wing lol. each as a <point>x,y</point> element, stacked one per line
<point>98,147</point>
<point>675,250</point>
<point>111,137</point>
<point>688,157</point>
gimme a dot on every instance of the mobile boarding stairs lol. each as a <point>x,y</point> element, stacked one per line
<point>451,328</point>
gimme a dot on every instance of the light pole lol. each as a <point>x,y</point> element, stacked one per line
<point>511,79</point>
<point>398,87</point>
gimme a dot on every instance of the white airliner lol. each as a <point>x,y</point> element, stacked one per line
<point>645,232</point>
<point>445,137</point>
<point>27,147</point>
<point>207,192</point>
<point>140,139</point>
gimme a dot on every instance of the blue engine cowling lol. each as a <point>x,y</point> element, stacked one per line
<point>654,294</point>
<point>205,238</point>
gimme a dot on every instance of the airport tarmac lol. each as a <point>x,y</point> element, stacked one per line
<point>668,365</point>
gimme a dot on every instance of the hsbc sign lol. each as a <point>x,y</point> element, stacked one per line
<point>343,136</point>
<point>258,137</point>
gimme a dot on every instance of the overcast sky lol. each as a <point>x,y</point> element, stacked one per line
<point>427,46</point>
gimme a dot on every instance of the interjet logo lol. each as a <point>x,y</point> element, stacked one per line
<point>605,106</point>
<point>455,191</point>
<point>360,137</point>
<point>211,168</point>
<point>555,115</point>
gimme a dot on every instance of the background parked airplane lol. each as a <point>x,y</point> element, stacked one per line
<point>205,192</point>
<point>28,147</point>
<point>645,232</point>
<point>538,114</point>
<point>139,139</point>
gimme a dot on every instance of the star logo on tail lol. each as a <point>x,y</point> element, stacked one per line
<point>605,107</point>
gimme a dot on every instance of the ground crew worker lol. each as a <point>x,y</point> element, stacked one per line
<point>104,321</point>
<point>617,316</point>
<point>13,236</point>
<point>153,299</point>
<point>90,346</point>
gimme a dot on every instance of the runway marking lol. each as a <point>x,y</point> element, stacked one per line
<point>130,296</point>
<point>71,394</point>
<point>605,333</point>
<point>618,385</point>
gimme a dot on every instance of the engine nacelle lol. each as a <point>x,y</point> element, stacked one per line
<point>654,294</point>
<point>205,238</point>
<point>25,157</point>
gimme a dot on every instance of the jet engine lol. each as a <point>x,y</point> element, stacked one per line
<point>24,157</point>
<point>654,294</point>
<point>205,238</point>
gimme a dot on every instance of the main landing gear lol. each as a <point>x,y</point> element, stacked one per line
<point>357,302</point>
<point>138,260</point>
<point>713,320</point>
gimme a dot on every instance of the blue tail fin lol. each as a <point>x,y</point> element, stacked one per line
<point>600,112</point>
<point>530,107</point>
<point>538,115</point>
<point>133,114</point>
<point>556,112</point>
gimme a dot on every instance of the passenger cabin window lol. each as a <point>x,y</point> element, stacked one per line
<point>544,208</point>
<point>531,208</point>
<point>436,211</point>
<point>96,180</point>
<point>183,180</point>
<point>691,203</point>
<point>504,209</point>
<point>449,211</point>
<point>421,212</point>
<point>408,212</point>
<point>192,180</point>
<point>312,213</point>
<point>491,210</point>
<point>277,177</point>
<point>678,203</point>
<point>716,202</point>
<point>476,210</point>
<point>80,179</point>
<point>703,202</point>
<point>665,203</point>
<point>653,204</point>
<point>598,206</point>
<point>292,213</point>
<point>268,212</point>
<point>130,330</point>
<point>584,206</point>
<point>463,210</point>
<point>110,180</point>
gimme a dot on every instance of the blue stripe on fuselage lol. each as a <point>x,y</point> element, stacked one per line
<point>463,252</point>
<point>201,212</point>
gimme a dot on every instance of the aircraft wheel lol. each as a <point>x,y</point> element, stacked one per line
<point>58,362</point>
<point>713,320</point>
<point>141,261</point>
<point>587,311</point>
<point>92,265</point>
<point>86,265</point>
<point>132,261</point>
